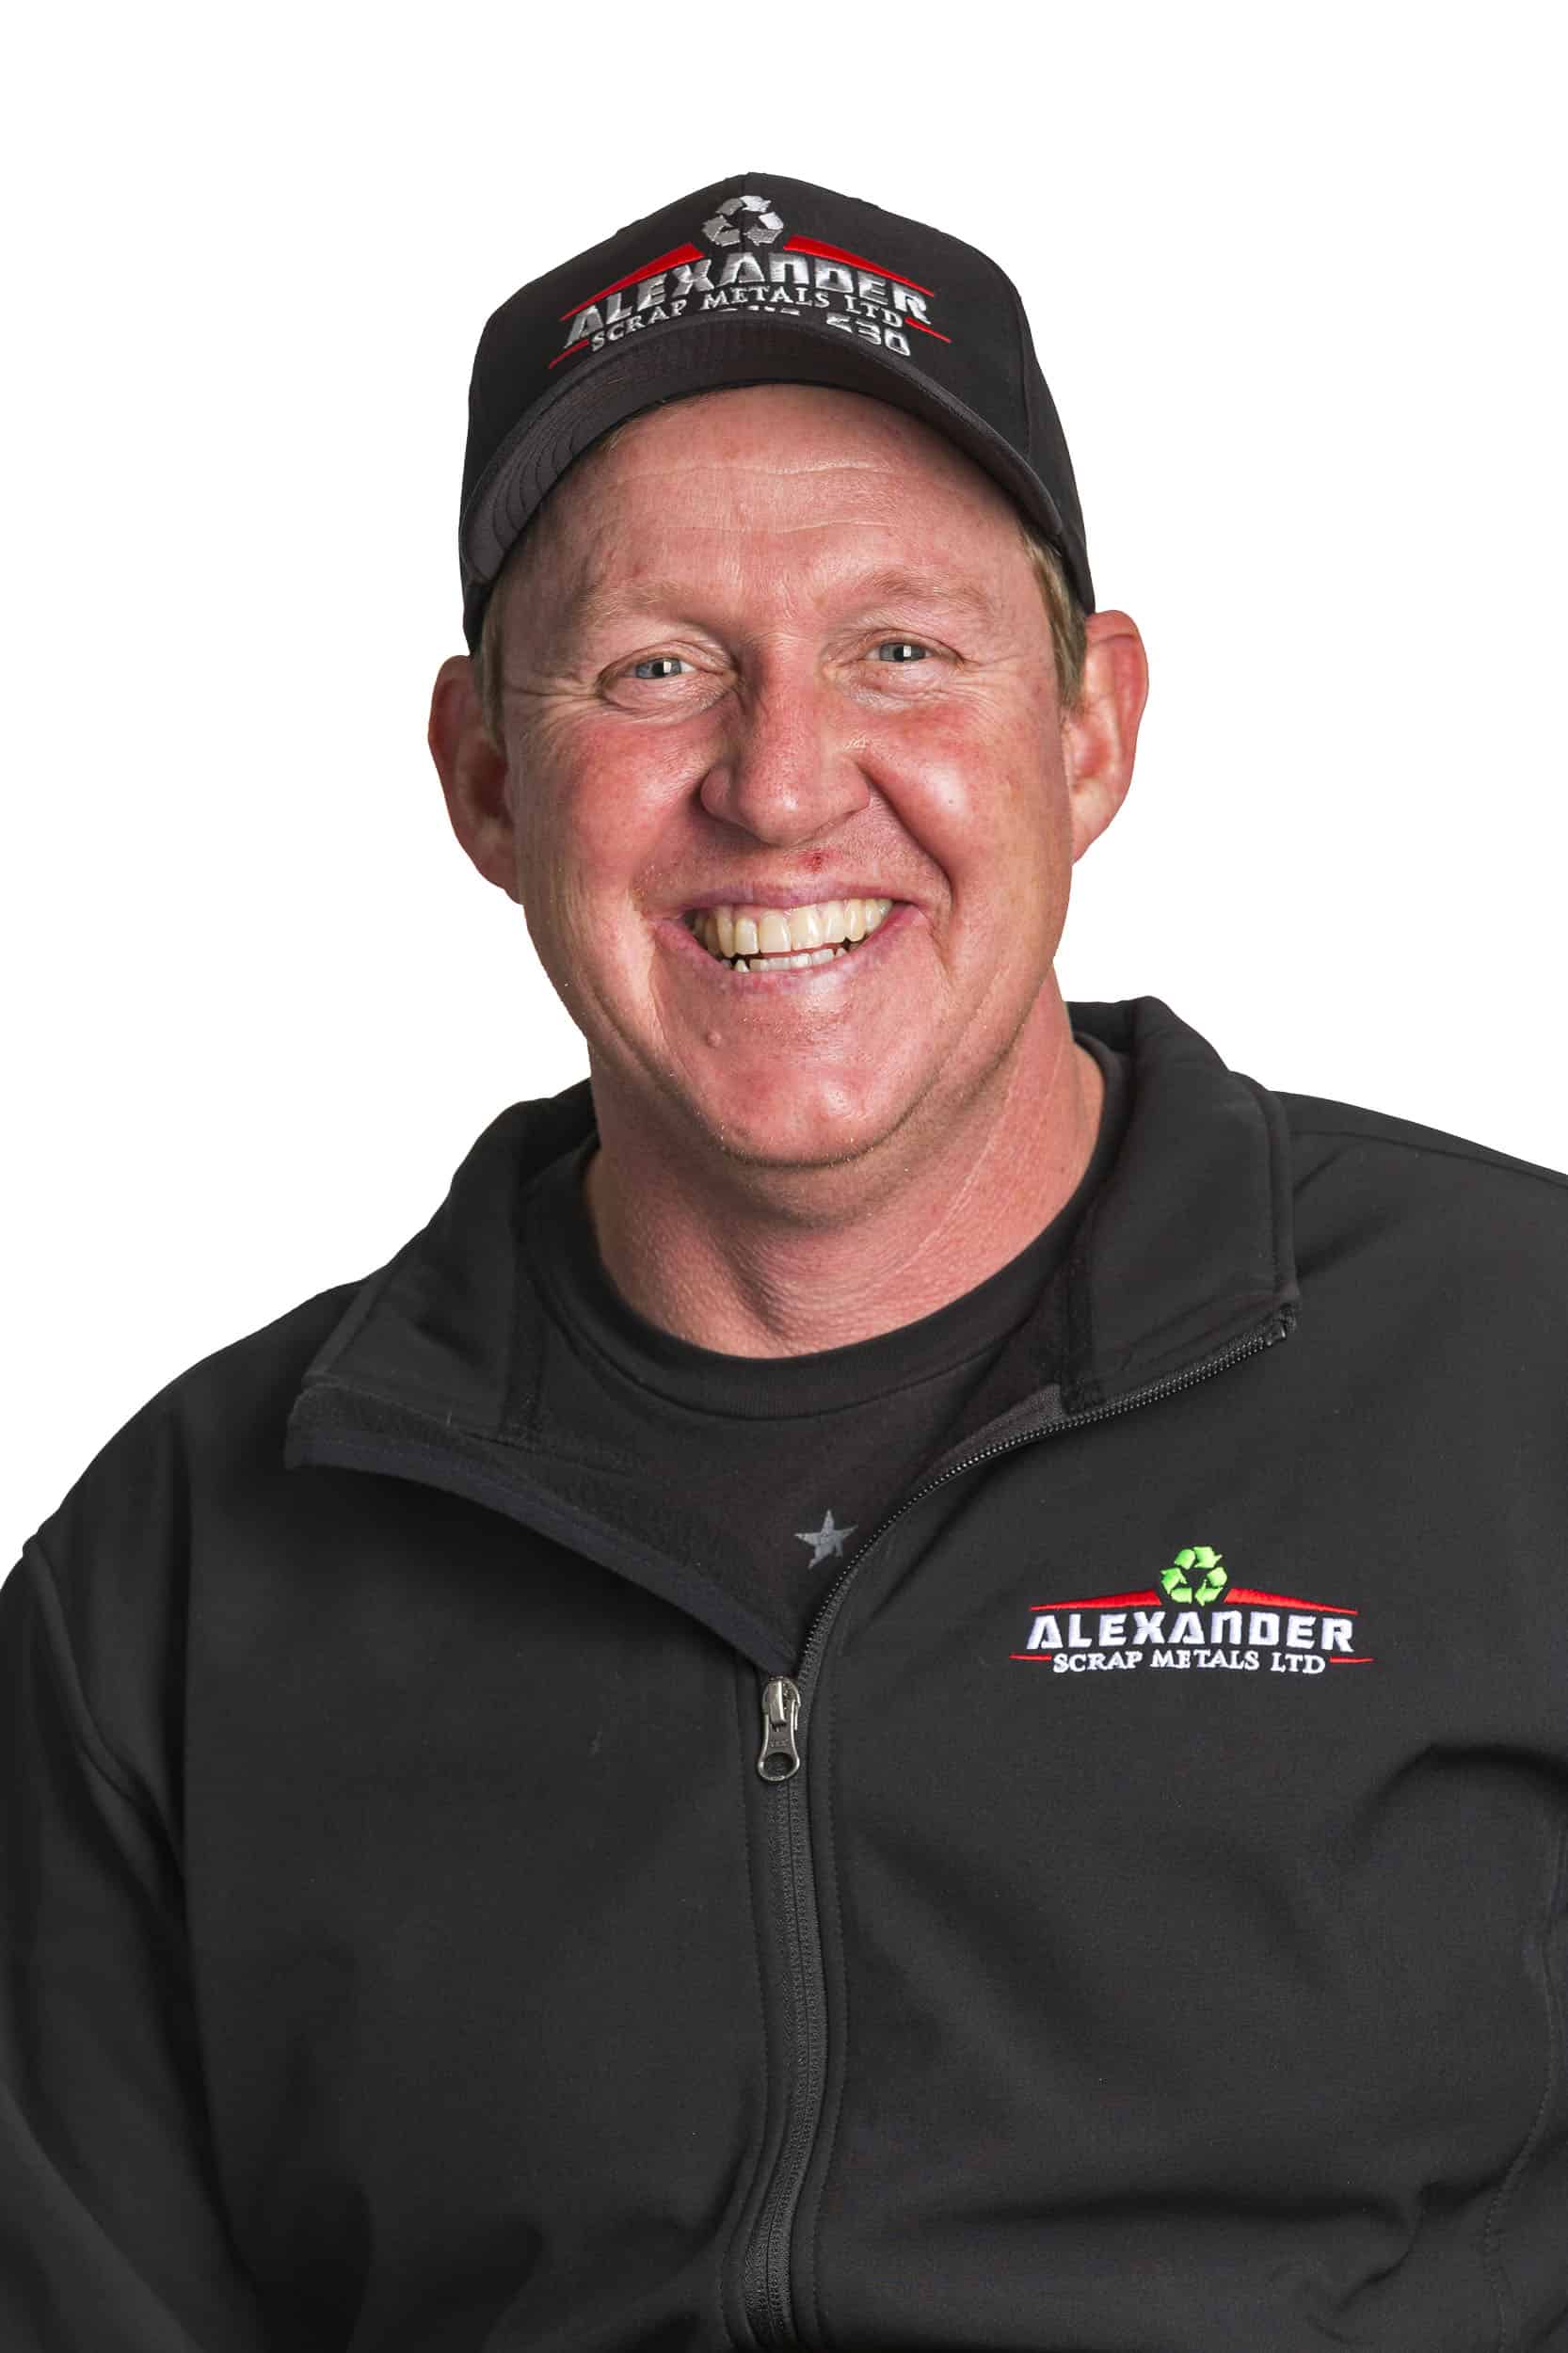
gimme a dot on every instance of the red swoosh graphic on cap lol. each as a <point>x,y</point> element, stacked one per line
<point>837,253</point>
<point>635,277</point>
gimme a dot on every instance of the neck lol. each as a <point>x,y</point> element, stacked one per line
<point>828,1256</point>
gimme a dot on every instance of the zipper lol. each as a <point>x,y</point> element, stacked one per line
<point>780,1757</point>
<point>786,1701</point>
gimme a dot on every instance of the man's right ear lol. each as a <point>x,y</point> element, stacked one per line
<point>473,774</point>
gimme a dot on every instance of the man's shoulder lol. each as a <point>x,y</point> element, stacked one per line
<point>213,1427</point>
<point>1324,1116</point>
<point>193,1474</point>
<point>1319,1118</point>
<point>248,1384</point>
<point>1426,1210</point>
<point>257,1373</point>
<point>218,1427</point>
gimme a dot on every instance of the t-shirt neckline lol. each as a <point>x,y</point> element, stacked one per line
<point>592,1311</point>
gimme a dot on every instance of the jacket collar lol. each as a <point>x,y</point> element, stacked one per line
<point>1186,1247</point>
<point>1190,1243</point>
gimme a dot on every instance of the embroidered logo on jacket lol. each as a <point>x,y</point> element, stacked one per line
<point>1193,1616</point>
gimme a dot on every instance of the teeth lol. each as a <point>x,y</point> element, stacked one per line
<point>789,964</point>
<point>785,934</point>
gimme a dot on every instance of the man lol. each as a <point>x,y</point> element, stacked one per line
<point>901,1685</point>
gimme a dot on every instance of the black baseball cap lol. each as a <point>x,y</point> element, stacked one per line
<point>758,279</point>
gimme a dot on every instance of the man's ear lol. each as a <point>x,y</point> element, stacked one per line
<point>473,774</point>
<point>1100,733</point>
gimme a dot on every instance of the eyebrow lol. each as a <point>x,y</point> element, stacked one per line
<point>595,607</point>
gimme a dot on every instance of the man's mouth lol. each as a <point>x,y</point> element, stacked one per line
<point>784,940</point>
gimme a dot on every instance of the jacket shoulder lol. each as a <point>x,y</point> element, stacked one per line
<point>1427,1224</point>
<point>235,1399</point>
<point>110,1566</point>
<point>1318,1116</point>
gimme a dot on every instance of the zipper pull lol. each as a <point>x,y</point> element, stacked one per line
<point>780,1756</point>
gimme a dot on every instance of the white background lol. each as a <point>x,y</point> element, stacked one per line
<point>1296,280</point>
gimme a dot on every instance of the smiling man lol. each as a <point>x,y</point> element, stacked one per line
<point>900,1685</point>
<point>777,764</point>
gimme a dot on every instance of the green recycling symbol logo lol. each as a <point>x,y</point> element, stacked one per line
<point>1196,1575</point>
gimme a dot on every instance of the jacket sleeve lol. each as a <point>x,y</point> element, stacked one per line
<point>112,2234</point>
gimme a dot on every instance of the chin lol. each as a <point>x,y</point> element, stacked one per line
<point>775,1156</point>
<point>787,1137</point>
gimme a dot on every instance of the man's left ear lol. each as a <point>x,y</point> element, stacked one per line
<point>473,773</point>
<point>1100,734</point>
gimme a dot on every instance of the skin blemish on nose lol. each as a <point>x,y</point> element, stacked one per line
<point>714,1039</point>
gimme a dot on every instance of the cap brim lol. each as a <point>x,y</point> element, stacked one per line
<point>723,351</point>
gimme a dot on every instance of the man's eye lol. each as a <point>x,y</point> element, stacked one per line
<point>900,649</point>
<point>658,666</point>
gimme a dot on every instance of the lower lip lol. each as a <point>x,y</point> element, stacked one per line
<point>688,943</point>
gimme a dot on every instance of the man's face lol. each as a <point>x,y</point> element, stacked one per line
<point>782,648</point>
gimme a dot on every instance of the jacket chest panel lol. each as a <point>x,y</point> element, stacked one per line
<point>460,1874</point>
<point>1155,1768</point>
<point>1253,1530</point>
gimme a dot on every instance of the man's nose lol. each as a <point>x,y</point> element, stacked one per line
<point>786,765</point>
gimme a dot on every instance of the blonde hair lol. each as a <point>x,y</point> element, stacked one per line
<point>1068,634</point>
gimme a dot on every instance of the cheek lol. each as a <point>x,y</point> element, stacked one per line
<point>590,822</point>
<point>985,792</point>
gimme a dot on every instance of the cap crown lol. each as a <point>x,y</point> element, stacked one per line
<point>757,277</point>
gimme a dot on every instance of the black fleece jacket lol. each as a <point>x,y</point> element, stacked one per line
<point>440,1918</point>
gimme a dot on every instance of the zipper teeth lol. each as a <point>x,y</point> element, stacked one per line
<point>780,2227</point>
<point>769,2269</point>
<point>1277,1326</point>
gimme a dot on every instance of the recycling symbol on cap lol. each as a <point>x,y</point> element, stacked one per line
<point>763,232</point>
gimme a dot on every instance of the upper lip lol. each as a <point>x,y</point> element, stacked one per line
<point>784,895</point>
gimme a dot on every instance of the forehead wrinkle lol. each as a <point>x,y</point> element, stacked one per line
<point>598,602</point>
<point>715,461</point>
